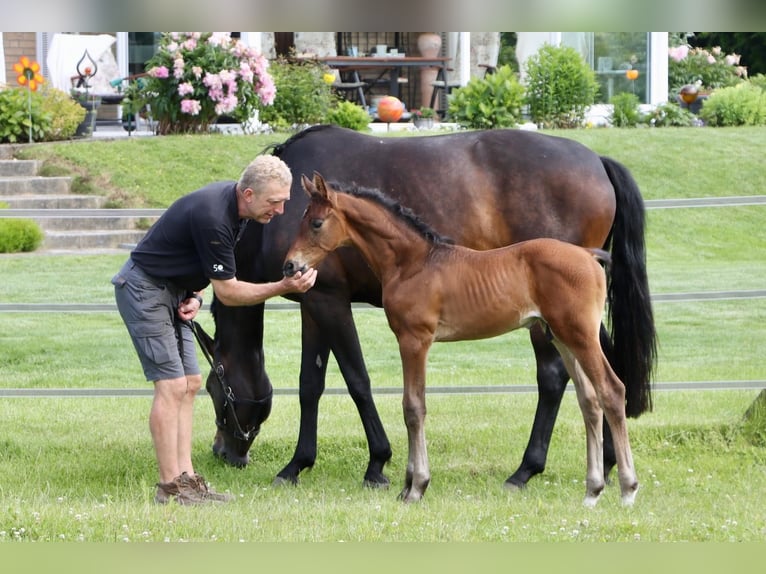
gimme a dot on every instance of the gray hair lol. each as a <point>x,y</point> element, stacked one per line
<point>263,170</point>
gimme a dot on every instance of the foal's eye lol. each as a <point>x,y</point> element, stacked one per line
<point>316,223</point>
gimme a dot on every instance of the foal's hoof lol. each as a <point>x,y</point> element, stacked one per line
<point>628,498</point>
<point>408,496</point>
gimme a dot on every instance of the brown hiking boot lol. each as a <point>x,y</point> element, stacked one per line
<point>183,488</point>
<point>207,493</point>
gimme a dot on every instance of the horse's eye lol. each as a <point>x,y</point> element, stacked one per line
<point>316,223</point>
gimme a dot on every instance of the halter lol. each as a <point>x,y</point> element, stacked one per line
<point>229,399</point>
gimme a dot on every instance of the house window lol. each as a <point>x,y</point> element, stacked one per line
<point>141,47</point>
<point>614,54</point>
<point>611,55</point>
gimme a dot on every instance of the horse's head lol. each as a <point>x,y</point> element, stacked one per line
<point>238,384</point>
<point>321,230</point>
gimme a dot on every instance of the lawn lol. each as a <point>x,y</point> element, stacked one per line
<point>83,469</point>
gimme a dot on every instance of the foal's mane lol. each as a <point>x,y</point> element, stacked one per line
<point>396,209</point>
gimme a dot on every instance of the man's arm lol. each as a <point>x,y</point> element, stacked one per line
<point>235,293</point>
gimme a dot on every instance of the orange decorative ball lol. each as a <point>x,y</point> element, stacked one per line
<point>390,109</point>
<point>631,74</point>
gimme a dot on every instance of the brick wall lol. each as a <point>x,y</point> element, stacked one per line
<point>16,45</point>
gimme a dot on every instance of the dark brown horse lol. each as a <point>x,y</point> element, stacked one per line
<point>437,291</point>
<point>485,189</point>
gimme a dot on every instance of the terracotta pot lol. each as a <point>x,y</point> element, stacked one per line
<point>429,45</point>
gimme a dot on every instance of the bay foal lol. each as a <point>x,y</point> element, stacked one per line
<point>436,291</point>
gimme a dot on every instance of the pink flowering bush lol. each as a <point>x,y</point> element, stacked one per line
<point>195,77</point>
<point>708,69</point>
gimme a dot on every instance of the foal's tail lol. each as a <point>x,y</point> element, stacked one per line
<point>633,335</point>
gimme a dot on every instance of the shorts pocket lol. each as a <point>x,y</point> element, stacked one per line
<point>156,341</point>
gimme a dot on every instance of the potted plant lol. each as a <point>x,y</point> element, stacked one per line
<point>423,117</point>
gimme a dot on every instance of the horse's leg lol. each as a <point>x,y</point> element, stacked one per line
<point>414,354</point>
<point>552,380</point>
<point>328,326</point>
<point>348,354</point>
<point>314,354</point>
<point>609,457</point>
<point>592,415</point>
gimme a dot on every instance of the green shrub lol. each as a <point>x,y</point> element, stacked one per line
<point>15,116</point>
<point>65,113</point>
<point>560,87</point>
<point>19,235</point>
<point>625,112</point>
<point>670,114</point>
<point>349,115</point>
<point>493,101</point>
<point>303,96</point>
<point>708,68</point>
<point>759,80</point>
<point>741,105</point>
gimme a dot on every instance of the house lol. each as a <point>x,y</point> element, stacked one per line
<point>610,54</point>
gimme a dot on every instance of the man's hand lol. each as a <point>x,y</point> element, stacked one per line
<point>188,308</point>
<point>301,282</point>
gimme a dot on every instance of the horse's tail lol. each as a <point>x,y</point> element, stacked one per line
<point>633,334</point>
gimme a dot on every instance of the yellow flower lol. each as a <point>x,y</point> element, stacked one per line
<point>28,73</point>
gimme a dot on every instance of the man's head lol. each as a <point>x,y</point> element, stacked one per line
<point>263,188</point>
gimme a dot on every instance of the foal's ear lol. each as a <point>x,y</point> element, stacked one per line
<point>320,185</point>
<point>308,187</point>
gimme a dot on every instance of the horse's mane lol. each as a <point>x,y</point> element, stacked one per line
<point>278,148</point>
<point>396,209</point>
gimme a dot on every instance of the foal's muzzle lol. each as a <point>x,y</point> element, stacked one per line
<point>290,268</point>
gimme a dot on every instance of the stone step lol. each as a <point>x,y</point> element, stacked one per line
<point>34,185</point>
<point>7,151</point>
<point>19,167</point>
<point>98,239</point>
<point>91,223</point>
<point>68,201</point>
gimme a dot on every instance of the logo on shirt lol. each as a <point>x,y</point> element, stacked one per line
<point>217,268</point>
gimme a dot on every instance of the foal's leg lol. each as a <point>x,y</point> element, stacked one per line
<point>414,354</point>
<point>611,394</point>
<point>593,417</point>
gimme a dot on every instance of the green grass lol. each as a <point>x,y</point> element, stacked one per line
<point>667,163</point>
<point>93,350</point>
<point>700,480</point>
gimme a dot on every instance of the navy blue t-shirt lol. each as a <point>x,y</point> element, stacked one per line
<point>193,241</point>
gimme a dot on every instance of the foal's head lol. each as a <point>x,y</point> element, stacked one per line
<point>321,230</point>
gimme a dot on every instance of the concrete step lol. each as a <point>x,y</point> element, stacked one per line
<point>97,239</point>
<point>34,185</point>
<point>19,167</point>
<point>7,151</point>
<point>89,223</point>
<point>68,201</point>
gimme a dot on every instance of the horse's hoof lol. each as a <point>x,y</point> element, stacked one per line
<point>280,481</point>
<point>512,486</point>
<point>379,481</point>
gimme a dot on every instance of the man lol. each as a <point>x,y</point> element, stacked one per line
<point>159,290</point>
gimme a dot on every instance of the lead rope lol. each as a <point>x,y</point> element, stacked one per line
<point>219,372</point>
